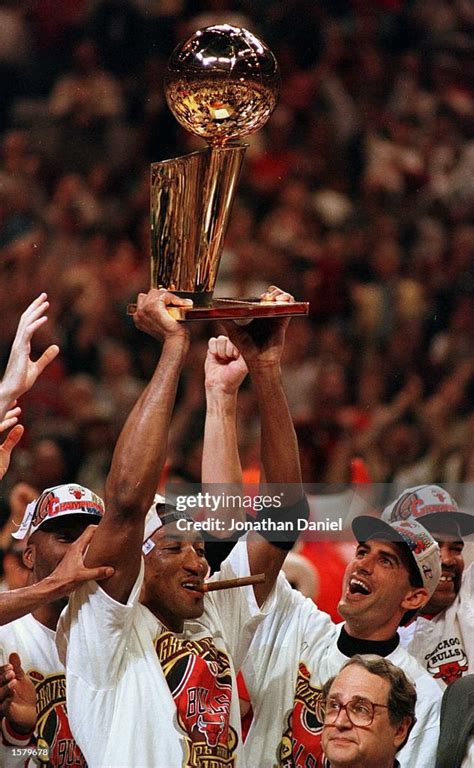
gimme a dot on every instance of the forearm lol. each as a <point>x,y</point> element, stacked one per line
<point>6,399</point>
<point>141,449</point>
<point>220,458</point>
<point>280,460</point>
<point>221,468</point>
<point>279,447</point>
<point>19,602</point>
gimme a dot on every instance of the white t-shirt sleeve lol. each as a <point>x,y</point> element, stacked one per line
<point>93,632</point>
<point>297,631</point>
<point>235,612</point>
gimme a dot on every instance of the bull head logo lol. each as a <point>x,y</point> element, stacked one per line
<point>407,506</point>
<point>451,670</point>
<point>78,493</point>
<point>212,727</point>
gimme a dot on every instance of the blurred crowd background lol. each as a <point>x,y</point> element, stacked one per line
<point>358,196</point>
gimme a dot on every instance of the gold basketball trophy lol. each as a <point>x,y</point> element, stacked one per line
<point>221,84</point>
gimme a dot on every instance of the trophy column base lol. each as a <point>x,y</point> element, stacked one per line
<point>234,309</point>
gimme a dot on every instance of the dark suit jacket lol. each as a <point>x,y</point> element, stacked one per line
<point>457,722</point>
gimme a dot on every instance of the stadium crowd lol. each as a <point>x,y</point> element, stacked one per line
<point>357,196</point>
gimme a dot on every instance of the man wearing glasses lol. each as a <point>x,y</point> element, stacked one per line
<point>368,710</point>
<point>395,570</point>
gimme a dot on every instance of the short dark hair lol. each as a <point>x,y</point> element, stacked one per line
<point>414,577</point>
<point>402,694</point>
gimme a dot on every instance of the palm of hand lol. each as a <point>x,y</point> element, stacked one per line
<point>20,370</point>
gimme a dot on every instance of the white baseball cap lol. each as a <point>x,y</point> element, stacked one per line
<point>159,514</point>
<point>432,506</point>
<point>56,502</point>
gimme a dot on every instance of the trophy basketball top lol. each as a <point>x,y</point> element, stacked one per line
<point>222,83</point>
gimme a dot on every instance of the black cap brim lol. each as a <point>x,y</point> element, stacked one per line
<point>436,520</point>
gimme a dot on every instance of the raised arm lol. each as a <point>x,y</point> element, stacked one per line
<point>141,449</point>
<point>225,369</point>
<point>21,372</point>
<point>261,344</point>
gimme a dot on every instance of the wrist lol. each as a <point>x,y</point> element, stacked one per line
<point>16,733</point>
<point>219,400</point>
<point>266,377</point>
<point>7,395</point>
<point>177,339</point>
<point>221,391</point>
<point>53,587</point>
<point>263,367</point>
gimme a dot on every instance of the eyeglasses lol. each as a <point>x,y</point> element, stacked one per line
<point>360,711</point>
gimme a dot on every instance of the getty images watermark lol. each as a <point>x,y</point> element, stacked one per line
<point>223,511</point>
<point>220,510</point>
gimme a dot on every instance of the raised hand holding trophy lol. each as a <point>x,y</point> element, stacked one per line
<point>222,84</point>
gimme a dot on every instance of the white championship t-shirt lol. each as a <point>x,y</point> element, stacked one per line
<point>139,695</point>
<point>444,645</point>
<point>35,644</point>
<point>293,653</point>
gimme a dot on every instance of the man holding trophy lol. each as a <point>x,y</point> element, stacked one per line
<point>150,659</point>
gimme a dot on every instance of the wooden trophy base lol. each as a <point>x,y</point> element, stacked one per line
<point>235,309</point>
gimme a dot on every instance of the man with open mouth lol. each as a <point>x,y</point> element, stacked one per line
<point>442,636</point>
<point>394,572</point>
<point>150,657</point>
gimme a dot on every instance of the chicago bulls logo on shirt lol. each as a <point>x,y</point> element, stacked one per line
<point>300,746</point>
<point>200,681</point>
<point>448,661</point>
<point>54,734</point>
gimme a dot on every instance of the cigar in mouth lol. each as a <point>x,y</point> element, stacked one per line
<point>212,586</point>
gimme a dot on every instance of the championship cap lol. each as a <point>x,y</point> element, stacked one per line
<point>432,506</point>
<point>56,502</point>
<point>419,542</point>
<point>160,513</point>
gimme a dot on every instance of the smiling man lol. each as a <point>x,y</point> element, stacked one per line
<point>441,638</point>
<point>150,659</point>
<point>394,572</point>
<point>368,711</point>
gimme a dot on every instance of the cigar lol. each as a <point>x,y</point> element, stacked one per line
<point>212,586</point>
